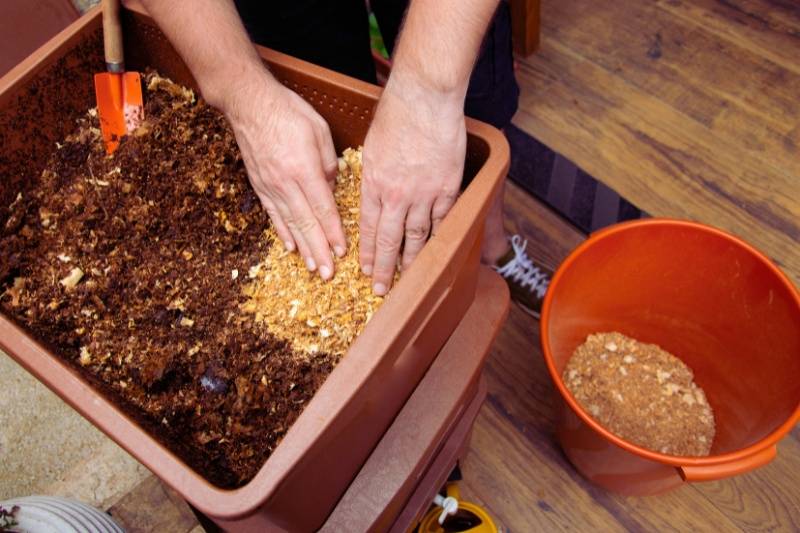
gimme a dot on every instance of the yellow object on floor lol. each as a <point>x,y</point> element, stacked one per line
<point>468,518</point>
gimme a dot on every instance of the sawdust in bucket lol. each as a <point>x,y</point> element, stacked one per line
<point>641,393</point>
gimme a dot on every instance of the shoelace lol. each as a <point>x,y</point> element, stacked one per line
<point>522,269</point>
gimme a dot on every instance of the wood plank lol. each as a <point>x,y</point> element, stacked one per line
<point>623,36</point>
<point>650,153</point>
<point>747,101</point>
<point>523,488</point>
<point>770,29</point>
<point>766,499</point>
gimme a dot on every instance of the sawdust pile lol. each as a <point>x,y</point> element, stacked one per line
<point>297,305</point>
<point>641,393</point>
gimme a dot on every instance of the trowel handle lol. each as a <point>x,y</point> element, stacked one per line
<point>112,37</point>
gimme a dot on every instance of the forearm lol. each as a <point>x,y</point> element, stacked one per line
<point>211,39</point>
<point>438,44</point>
<point>285,145</point>
<point>414,151</point>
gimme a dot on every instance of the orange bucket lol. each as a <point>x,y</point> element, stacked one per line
<point>705,296</point>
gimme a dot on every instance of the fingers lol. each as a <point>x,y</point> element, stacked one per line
<point>303,222</point>
<point>387,227</point>
<point>288,219</point>
<point>277,210</point>
<point>388,241</point>
<point>296,225</point>
<point>327,151</point>
<point>440,209</point>
<point>417,230</point>
<point>292,164</point>
<point>280,226</point>
<point>368,228</point>
<point>323,207</point>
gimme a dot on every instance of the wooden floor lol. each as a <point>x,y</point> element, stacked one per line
<point>691,109</point>
<point>517,471</point>
<point>688,108</point>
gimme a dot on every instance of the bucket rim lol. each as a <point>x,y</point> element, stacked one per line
<point>712,460</point>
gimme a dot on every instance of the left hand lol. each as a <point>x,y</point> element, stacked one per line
<point>413,162</point>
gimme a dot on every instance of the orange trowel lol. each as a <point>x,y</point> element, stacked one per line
<point>118,93</point>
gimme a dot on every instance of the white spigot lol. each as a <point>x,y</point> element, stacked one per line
<point>449,506</point>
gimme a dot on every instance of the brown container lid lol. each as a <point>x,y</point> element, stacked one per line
<point>25,25</point>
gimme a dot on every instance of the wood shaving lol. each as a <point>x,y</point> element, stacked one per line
<point>15,291</point>
<point>73,278</point>
<point>642,394</point>
<point>296,305</point>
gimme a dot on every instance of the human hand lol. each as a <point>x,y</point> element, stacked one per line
<point>413,162</point>
<point>291,161</point>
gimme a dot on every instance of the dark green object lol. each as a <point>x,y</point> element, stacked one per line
<point>376,39</point>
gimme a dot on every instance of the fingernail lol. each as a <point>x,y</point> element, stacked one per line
<point>339,251</point>
<point>379,288</point>
<point>289,245</point>
<point>325,272</point>
<point>366,269</point>
<point>310,264</point>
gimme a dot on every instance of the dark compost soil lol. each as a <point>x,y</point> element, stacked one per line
<point>131,266</point>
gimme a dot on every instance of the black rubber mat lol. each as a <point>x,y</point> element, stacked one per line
<point>586,202</point>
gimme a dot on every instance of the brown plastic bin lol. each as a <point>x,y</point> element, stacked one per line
<point>321,453</point>
<point>27,24</point>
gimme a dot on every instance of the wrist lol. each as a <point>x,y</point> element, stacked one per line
<point>228,88</point>
<point>423,94</point>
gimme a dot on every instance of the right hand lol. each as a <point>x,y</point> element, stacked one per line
<point>291,161</point>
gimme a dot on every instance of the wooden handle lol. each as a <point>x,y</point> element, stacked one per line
<point>112,36</point>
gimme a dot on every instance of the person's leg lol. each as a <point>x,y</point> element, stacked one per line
<point>495,239</point>
<point>493,97</point>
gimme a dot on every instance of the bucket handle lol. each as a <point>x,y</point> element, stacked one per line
<point>733,468</point>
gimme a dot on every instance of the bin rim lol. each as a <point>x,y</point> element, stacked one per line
<point>544,329</point>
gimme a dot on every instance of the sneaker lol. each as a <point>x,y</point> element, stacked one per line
<point>528,282</point>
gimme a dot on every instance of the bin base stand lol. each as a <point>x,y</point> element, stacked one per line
<point>397,484</point>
